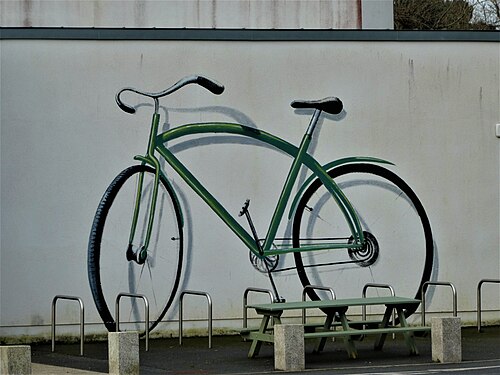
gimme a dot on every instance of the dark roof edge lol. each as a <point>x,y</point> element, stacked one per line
<point>77,33</point>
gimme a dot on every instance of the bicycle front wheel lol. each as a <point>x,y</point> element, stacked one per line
<point>109,270</point>
<point>398,248</point>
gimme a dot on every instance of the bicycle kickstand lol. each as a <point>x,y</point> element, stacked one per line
<point>244,211</point>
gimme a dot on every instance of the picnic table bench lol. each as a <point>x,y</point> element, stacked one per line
<point>332,308</point>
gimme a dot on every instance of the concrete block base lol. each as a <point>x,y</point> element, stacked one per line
<point>123,353</point>
<point>289,347</point>
<point>446,339</point>
<point>15,360</point>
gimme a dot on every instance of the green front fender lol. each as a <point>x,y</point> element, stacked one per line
<point>327,167</point>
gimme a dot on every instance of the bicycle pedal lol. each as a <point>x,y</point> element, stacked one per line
<point>244,209</point>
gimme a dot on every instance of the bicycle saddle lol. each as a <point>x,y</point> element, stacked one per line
<point>330,105</point>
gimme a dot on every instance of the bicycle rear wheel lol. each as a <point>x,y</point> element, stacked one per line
<point>399,245</point>
<point>109,271</point>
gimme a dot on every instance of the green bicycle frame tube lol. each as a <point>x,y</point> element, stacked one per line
<point>300,156</point>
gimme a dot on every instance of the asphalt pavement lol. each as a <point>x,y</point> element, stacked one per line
<point>228,355</point>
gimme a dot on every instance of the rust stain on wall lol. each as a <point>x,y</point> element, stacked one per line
<point>140,13</point>
<point>97,13</point>
<point>360,15</point>
<point>27,12</point>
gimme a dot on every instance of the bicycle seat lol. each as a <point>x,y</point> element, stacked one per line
<point>330,105</point>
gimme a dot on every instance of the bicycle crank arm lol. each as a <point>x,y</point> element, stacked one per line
<point>244,211</point>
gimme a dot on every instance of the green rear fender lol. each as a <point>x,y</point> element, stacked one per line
<point>328,167</point>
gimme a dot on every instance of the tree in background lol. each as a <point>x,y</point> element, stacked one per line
<point>446,14</point>
<point>486,12</point>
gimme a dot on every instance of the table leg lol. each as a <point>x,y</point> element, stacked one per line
<point>260,336</point>
<point>256,343</point>
<point>379,342</point>
<point>320,345</point>
<point>409,338</point>
<point>349,343</point>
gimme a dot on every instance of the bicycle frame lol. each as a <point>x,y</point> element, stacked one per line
<point>300,157</point>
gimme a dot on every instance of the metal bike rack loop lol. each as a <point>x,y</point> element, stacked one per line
<point>82,322</point>
<point>245,301</point>
<point>209,301</point>
<point>383,286</point>
<point>146,312</point>
<point>453,289</point>
<point>315,287</point>
<point>479,285</point>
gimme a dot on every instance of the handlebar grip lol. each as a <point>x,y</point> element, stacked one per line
<point>124,107</point>
<point>211,85</point>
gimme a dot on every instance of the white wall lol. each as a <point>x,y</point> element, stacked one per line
<point>378,14</point>
<point>249,14</point>
<point>429,106</point>
<point>185,13</point>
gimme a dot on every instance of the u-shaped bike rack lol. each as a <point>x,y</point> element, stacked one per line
<point>146,312</point>
<point>315,287</point>
<point>479,285</point>
<point>453,289</point>
<point>209,301</point>
<point>374,285</point>
<point>82,321</point>
<point>245,301</point>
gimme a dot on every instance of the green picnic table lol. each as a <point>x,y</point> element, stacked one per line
<point>338,307</point>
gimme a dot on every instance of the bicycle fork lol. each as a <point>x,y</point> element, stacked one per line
<point>140,255</point>
<point>244,211</point>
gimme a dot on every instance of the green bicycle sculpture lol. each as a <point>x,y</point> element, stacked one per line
<point>352,215</point>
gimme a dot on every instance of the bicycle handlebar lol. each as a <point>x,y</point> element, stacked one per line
<point>209,84</point>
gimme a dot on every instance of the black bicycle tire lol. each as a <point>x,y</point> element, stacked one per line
<point>393,178</point>
<point>94,249</point>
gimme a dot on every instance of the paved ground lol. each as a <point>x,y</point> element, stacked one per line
<point>480,352</point>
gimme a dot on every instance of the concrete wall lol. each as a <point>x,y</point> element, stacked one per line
<point>253,14</point>
<point>377,14</point>
<point>431,107</point>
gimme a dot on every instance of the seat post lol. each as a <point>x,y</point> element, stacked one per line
<point>314,122</point>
